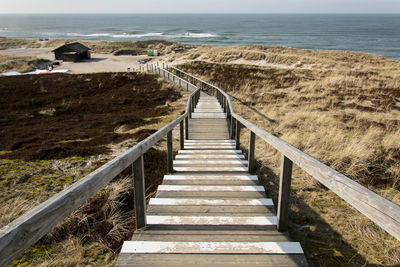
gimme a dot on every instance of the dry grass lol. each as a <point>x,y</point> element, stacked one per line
<point>18,63</point>
<point>93,234</point>
<point>342,108</point>
<point>6,43</point>
<point>103,47</point>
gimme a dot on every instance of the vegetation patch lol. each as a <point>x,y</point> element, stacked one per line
<point>344,111</point>
<point>59,116</point>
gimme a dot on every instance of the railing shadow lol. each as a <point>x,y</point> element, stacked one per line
<point>253,109</point>
<point>317,244</point>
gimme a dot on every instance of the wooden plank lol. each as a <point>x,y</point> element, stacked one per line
<point>210,182</point>
<point>210,141</point>
<point>164,247</point>
<point>202,210</point>
<point>211,236</point>
<point>206,188</point>
<point>211,194</point>
<point>206,177</point>
<point>211,169</point>
<point>213,220</point>
<point>199,143</point>
<point>210,162</point>
<point>201,157</point>
<point>130,260</point>
<point>211,202</point>
<point>210,151</point>
<point>209,147</point>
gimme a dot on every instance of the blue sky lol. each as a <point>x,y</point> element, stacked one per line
<point>202,6</point>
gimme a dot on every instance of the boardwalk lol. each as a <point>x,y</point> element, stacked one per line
<point>211,211</point>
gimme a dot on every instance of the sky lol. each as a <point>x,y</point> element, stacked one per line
<point>201,6</point>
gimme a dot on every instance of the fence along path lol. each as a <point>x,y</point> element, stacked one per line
<point>210,205</point>
<point>26,230</point>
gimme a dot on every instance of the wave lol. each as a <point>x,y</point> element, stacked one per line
<point>199,35</point>
<point>137,35</point>
<point>134,35</point>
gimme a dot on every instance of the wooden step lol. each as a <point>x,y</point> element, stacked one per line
<point>212,220</point>
<point>210,177</point>
<point>182,162</point>
<point>162,247</point>
<point>209,180</point>
<point>201,210</point>
<point>222,260</point>
<point>211,194</point>
<point>213,188</point>
<point>208,157</point>
<point>211,169</point>
<point>210,141</point>
<point>211,202</point>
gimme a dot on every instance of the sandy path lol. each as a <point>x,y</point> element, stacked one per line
<point>98,63</point>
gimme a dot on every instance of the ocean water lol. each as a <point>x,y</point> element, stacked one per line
<point>369,33</point>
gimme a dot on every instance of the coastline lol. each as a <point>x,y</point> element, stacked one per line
<point>105,60</point>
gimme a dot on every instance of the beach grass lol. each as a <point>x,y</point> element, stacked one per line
<point>342,108</point>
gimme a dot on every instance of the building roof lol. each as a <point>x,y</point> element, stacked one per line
<point>75,47</point>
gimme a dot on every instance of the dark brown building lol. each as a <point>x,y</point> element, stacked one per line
<point>72,52</point>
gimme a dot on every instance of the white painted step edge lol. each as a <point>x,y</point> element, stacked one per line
<point>211,177</point>
<point>210,162</point>
<point>165,247</point>
<point>210,141</point>
<point>212,220</point>
<point>210,202</point>
<point>206,157</point>
<point>212,188</point>
<point>211,169</point>
<point>226,151</point>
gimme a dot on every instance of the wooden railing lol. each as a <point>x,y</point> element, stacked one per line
<point>383,212</point>
<point>26,230</point>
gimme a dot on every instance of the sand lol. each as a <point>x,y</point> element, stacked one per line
<point>98,63</point>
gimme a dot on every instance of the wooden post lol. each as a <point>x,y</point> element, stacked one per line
<point>284,193</point>
<point>251,152</point>
<point>187,128</point>
<point>179,82</point>
<point>187,87</point>
<point>163,65</point>
<point>237,134</point>
<point>232,127</point>
<point>181,136</point>
<point>169,151</point>
<point>228,118</point>
<point>139,188</point>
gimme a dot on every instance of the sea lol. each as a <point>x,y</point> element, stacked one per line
<point>368,33</point>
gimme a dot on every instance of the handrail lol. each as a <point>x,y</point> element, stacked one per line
<point>26,230</point>
<point>381,211</point>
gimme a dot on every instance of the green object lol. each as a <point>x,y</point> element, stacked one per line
<point>150,52</point>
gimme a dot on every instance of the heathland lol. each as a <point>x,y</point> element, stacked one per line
<point>56,129</point>
<point>343,108</point>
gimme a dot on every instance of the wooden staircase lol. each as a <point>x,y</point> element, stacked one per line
<point>210,211</point>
